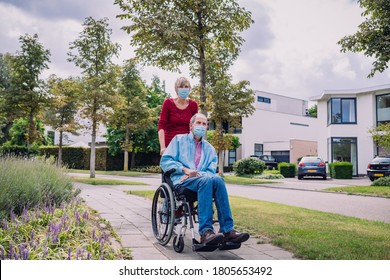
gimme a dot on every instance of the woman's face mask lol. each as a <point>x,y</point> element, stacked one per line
<point>183,92</point>
<point>199,131</point>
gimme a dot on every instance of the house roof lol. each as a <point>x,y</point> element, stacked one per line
<point>326,94</point>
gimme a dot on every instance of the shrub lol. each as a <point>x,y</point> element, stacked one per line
<point>382,182</point>
<point>248,166</point>
<point>341,170</point>
<point>148,169</point>
<point>31,183</point>
<point>286,169</point>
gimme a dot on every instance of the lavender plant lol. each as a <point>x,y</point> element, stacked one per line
<point>26,183</point>
<point>57,234</point>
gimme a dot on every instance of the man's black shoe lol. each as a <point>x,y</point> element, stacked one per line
<point>210,238</point>
<point>236,236</point>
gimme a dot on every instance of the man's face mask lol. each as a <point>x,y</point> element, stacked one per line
<point>199,130</point>
<point>183,92</point>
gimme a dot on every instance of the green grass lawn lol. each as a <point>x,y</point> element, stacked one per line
<point>363,190</point>
<point>239,180</point>
<point>310,234</point>
<point>103,181</point>
<point>116,173</point>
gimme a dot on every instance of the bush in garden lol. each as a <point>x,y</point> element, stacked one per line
<point>29,183</point>
<point>288,170</point>
<point>341,170</point>
<point>249,166</point>
<point>382,182</point>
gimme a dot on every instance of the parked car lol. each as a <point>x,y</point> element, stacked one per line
<point>270,161</point>
<point>378,167</point>
<point>311,166</point>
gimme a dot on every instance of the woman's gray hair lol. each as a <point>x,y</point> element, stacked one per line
<point>180,82</point>
<point>192,121</point>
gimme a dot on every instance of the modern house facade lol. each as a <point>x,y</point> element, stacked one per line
<point>280,126</point>
<point>345,118</point>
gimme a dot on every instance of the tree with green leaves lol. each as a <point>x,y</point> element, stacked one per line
<point>227,142</point>
<point>381,135</point>
<point>26,95</point>
<point>19,134</point>
<point>133,113</point>
<point>230,102</point>
<point>94,53</point>
<point>171,33</point>
<point>63,108</point>
<point>144,139</point>
<point>312,111</point>
<point>5,122</point>
<point>373,36</point>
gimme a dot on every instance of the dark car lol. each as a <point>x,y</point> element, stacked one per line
<point>378,167</point>
<point>270,161</point>
<point>311,166</point>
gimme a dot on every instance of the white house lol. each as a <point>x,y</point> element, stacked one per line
<point>279,127</point>
<point>345,117</point>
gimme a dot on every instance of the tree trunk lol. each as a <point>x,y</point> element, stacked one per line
<point>220,162</point>
<point>132,164</point>
<point>219,148</point>
<point>93,151</point>
<point>59,159</point>
<point>31,130</point>
<point>126,151</point>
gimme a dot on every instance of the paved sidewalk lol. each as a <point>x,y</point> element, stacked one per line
<point>130,215</point>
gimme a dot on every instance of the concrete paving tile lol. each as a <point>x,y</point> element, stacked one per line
<point>135,241</point>
<point>280,254</point>
<point>150,253</point>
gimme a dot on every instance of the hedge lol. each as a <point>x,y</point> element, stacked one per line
<point>341,170</point>
<point>79,157</point>
<point>288,170</point>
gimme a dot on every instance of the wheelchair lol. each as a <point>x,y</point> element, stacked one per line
<point>173,210</point>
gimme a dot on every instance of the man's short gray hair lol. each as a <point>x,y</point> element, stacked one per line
<point>196,115</point>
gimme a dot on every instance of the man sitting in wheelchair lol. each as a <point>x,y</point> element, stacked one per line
<point>195,163</point>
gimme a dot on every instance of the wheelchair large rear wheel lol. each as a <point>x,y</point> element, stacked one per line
<point>163,213</point>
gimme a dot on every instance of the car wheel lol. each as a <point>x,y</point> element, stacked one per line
<point>372,179</point>
<point>324,177</point>
<point>300,177</point>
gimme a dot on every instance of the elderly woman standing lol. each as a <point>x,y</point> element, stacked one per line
<point>176,114</point>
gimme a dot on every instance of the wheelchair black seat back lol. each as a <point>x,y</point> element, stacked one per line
<point>172,211</point>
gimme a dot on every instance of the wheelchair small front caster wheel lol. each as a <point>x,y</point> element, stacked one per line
<point>178,245</point>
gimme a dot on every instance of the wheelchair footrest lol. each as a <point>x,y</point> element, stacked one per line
<point>229,246</point>
<point>201,247</point>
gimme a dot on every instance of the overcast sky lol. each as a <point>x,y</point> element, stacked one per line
<point>291,49</point>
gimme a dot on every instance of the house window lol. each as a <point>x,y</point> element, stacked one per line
<point>258,149</point>
<point>232,157</point>
<point>342,110</point>
<point>383,108</point>
<point>263,99</point>
<point>344,149</point>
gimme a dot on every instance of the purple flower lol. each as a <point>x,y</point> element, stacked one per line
<point>68,258</point>
<point>76,214</point>
<point>5,224</point>
<point>44,253</point>
<point>11,251</point>
<point>25,254</point>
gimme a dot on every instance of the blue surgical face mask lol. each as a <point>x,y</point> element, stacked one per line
<point>199,131</point>
<point>183,92</point>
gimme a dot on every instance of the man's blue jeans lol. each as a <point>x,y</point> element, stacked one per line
<point>207,188</point>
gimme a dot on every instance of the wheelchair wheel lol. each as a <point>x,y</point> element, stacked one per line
<point>178,245</point>
<point>163,213</point>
